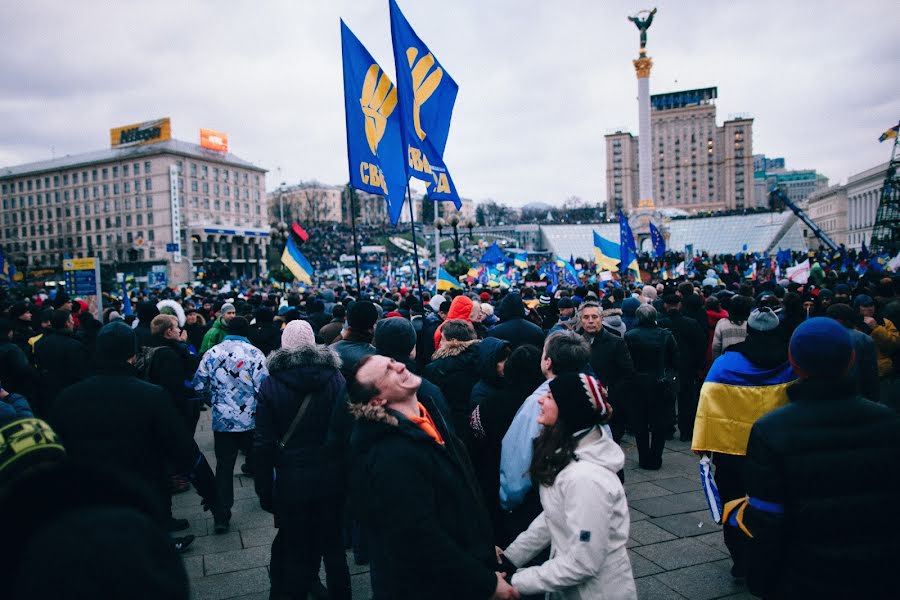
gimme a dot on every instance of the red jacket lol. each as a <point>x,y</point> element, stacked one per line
<point>460,308</point>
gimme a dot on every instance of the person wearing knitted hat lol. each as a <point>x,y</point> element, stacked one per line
<point>585,516</point>
<point>356,340</point>
<point>308,465</point>
<point>815,470</point>
<point>219,329</point>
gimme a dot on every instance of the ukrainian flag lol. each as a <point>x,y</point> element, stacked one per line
<point>734,396</point>
<point>521,260</point>
<point>446,281</point>
<point>605,253</point>
<point>296,263</point>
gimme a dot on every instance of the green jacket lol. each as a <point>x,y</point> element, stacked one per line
<point>214,336</point>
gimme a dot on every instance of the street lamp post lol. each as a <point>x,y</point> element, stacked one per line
<point>439,225</point>
<point>454,223</point>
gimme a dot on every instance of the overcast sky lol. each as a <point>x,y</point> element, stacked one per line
<point>540,82</point>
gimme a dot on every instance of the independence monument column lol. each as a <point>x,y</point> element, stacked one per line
<point>642,66</point>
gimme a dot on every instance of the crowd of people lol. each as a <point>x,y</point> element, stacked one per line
<point>465,444</point>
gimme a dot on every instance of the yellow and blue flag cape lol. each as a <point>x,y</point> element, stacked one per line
<point>446,281</point>
<point>426,94</point>
<point>296,263</point>
<point>606,253</point>
<point>734,396</point>
<point>374,144</point>
<point>890,133</point>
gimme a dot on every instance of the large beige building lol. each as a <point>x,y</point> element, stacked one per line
<point>168,202</point>
<point>697,165</point>
<point>847,212</point>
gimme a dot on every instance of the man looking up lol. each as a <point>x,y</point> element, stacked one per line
<point>414,489</point>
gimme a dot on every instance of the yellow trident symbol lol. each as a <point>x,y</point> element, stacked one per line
<point>378,100</point>
<point>423,87</point>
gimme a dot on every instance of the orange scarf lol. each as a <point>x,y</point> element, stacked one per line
<point>426,424</point>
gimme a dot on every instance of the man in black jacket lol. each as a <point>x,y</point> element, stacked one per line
<point>171,366</point>
<point>264,333</point>
<point>454,369</point>
<point>514,327</point>
<point>610,361</point>
<point>691,356</point>
<point>819,472</point>
<point>61,360</point>
<point>413,486</point>
<point>116,420</point>
<point>309,468</point>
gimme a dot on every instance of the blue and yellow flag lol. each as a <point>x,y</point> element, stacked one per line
<point>627,247</point>
<point>734,396</point>
<point>374,143</point>
<point>570,275</point>
<point>446,281</point>
<point>890,133</point>
<point>521,260</point>
<point>427,94</point>
<point>659,244</point>
<point>296,263</point>
<point>606,253</point>
<point>7,270</point>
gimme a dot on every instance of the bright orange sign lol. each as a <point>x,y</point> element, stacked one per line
<point>214,140</point>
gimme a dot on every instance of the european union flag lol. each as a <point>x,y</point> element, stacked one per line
<point>427,94</point>
<point>374,143</point>
<point>659,244</point>
<point>570,275</point>
<point>627,247</point>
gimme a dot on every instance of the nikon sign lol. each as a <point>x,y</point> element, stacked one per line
<point>141,133</point>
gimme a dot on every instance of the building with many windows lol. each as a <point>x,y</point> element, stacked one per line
<point>697,165</point>
<point>168,202</point>
<point>312,202</point>
<point>798,185</point>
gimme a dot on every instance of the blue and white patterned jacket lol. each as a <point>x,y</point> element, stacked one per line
<point>229,377</point>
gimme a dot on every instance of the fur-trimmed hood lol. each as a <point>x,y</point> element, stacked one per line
<point>310,356</point>
<point>452,348</point>
<point>376,414</point>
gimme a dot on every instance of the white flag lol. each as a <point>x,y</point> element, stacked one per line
<point>800,273</point>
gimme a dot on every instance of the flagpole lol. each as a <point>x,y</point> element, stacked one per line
<point>412,227</point>
<point>355,242</point>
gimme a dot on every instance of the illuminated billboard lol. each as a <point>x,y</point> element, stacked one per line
<point>137,134</point>
<point>214,140</point>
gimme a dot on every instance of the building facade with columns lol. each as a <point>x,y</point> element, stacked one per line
<point>828,209</point>
<point>170,202</point>
<point>697,166</point>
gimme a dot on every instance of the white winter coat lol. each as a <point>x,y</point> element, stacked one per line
<point>586,522</point>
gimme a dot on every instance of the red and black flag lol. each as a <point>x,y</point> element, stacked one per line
<point>301,237</point>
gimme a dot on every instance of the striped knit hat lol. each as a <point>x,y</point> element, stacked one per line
<point>581,400</point>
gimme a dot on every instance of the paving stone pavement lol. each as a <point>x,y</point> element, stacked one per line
<point>676,549</point>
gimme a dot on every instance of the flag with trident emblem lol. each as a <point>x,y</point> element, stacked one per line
<point>426,95</point>
<point>374,147</point>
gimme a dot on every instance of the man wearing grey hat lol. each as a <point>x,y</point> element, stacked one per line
<point>116,420</point>
<point>219,328</point>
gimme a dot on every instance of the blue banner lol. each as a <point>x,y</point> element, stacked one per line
<point>659,244</point>
<point>427,94</point>
<point>374,146</point>
<point>627,247</point>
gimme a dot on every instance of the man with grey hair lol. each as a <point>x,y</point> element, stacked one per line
<point>654,353</point>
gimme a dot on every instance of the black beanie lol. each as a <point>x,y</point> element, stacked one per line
<point>239,326</point>
<point>116,342</point>
<point>362,316</point>
<point>581,400</point>
<point>395,337</point>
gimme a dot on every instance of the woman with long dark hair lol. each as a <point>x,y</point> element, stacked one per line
<point>585,513</point>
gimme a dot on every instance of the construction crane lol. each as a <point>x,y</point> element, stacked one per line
<point>776,195</point>
<point>886,231</point>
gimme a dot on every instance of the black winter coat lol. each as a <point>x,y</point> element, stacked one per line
<point>454,369</point>
<point>311,465</point>
<point>513,327</point>
<point>171,368</point>
<point>16,375</point>
<point>61,360</point>
<point>691,339</point>
<point>422,506</point>
<point>490,383</point>
<point>831,461</point>
<point>352,350</point>
<point>116,420</point>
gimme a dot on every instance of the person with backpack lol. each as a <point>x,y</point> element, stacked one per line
<point>167,362</point>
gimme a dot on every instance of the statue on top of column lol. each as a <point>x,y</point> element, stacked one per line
<point>643,22</point>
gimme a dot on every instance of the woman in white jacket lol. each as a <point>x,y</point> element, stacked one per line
<point>585,518</point>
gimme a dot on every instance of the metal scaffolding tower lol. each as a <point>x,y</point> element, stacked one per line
<point>886,232</point>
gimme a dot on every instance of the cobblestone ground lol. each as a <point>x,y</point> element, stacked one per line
<point>676,550</point>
